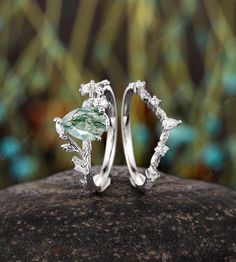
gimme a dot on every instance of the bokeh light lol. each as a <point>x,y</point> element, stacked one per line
<point>184,50</point>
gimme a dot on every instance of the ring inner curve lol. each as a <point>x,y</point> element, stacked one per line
<point>101,180</point>
<point>136,177</point>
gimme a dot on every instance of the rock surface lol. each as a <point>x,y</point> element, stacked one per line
<point>54,219</point>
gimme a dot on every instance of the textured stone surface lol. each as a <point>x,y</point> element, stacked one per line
<point>178,220</point>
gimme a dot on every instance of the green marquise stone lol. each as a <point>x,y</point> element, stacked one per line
<point>86,124</point>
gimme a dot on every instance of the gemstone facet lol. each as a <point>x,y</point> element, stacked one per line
<point>161,150</point>
<point>170,123</point>
<point>86,124</point>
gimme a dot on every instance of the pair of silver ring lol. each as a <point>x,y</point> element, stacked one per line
<point>98,115</point>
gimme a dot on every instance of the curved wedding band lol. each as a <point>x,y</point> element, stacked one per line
<point>138,180</point>
<point>97,115</point>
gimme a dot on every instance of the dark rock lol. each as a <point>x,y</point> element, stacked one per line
<point>54,219</point>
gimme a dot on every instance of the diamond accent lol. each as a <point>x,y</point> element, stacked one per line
<point>60,130</point>
<point>68,148</point>
<point>151,174</point>
<point>138,86</point>
<point>82,167</point>
<point>144,94</point>
<point>154,101</point>
<point>170,123</point>
<point>167,123</point>
<point>153,104</point>
<point>161,114</point>
<point>91,88</point>
<point>161,150</point>
<point>97,102</point>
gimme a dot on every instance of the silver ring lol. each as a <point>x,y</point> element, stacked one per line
<point>97,115</point>
<point>138,180</point>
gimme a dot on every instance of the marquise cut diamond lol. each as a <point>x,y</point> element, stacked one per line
<point>170,123</point>
<point>91,87</point>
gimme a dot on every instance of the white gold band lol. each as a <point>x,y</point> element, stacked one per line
<point>144,181</point>
<point>102,180</point>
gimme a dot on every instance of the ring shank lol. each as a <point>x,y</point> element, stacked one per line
<point>102,180</point>
<point>137,179</point>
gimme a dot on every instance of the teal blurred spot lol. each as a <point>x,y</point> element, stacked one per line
<point>9,147</point>
<point>102,51</point>
<point>141,134</point>
<point>169,157</point>
<point>2,23</point>
<point>213,156</point>
<point>201,38</point>
<point>14,82</point>
<point>39,79</point>
<point>206,78</point>
<point>3,65</point>
<point>230,145</point>
<point>230,84</point>
<point>158,128</point>
<point>213,125</point>
<point>56,51</point>
<point>183,134</point>
<point>234,185</point>
<point>23,167</point>
<point>222,57</point>
<point>2,112</point>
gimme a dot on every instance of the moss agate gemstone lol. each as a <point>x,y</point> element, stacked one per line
<point>86,124</point>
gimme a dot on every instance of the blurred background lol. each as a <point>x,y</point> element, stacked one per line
<point>184,50</point>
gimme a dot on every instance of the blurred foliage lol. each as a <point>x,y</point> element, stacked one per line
<point>184,50</point>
